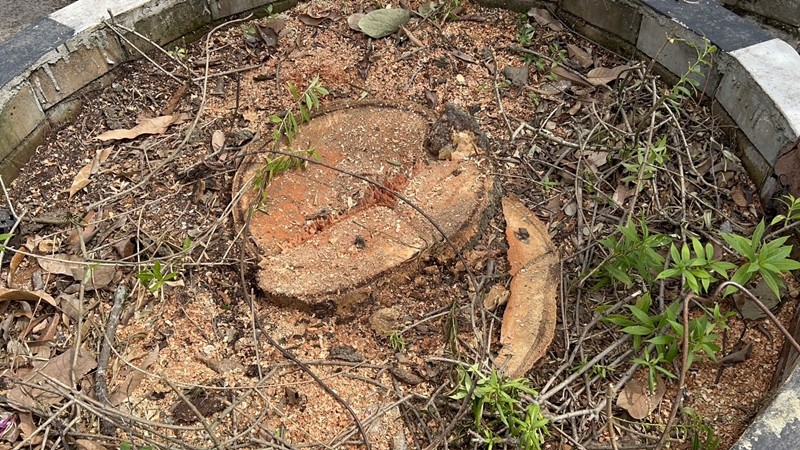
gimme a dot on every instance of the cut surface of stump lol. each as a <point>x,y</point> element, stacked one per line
<point>325,235</point>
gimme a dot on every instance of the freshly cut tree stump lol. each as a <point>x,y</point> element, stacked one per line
<point>326,236</point>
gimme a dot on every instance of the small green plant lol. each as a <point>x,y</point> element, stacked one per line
<point>704,58</point>
<point>397,341</point>
<point>279,164</point>
<point>767,259</point>
<point>304,104</point>
<point>664,333</point>
<point>497,408</point>
<point>4,237</point>
<point>178,53</point>
<point>702,434</point>
<point>558,54</point>
<point>153,278</point>
<point>632,251</point>
<point>792,211</point>
<point>125,445</point>
<point>647,160</point>
<point>525,31</point>
<point>696,266</point>
<point>288,125</point>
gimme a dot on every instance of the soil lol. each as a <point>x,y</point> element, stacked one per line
<point>201,356</point>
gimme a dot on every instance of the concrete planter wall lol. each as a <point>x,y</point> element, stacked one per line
<point>754,85</point>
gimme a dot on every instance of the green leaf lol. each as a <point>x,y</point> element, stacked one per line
<point>642,317</point>
<point>383,22</point>
<point>740,244</point>
<point>637,330</point>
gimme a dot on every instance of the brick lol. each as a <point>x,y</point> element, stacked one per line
<point>676,56</point>
<point>162,21</point>
<point>82,60</point>
<point>20,114</point>
<point>615,17</point>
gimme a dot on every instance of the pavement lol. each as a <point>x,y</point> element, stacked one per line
<point>18,14</point>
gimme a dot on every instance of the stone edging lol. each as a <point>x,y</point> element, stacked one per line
<point>50,60</point>
<point>753,86</point>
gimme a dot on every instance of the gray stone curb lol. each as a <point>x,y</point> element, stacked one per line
<point>753,85</point>
<point>50,60</point>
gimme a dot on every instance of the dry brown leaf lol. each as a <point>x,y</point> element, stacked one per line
<point>83,232</point>
<point>545,19</point>
<point>310,20</point>
<point>637,399</point>
<point>579,55</point>
<point>155,125</point>
<point>123,390</point>
<point>601,75</point>
<point>27,427</point>
<point>622,193</point>
<point>75,267</point>
<point>86,444</point>
<point>497,296</point>
<point>62,264</point>
<point>218,140</point>
<point>82,178</point>
<point>564,73</point>
<point>529,320</point>
<point>31,296</point>
<point>59,369</point>
<point>737,194</point>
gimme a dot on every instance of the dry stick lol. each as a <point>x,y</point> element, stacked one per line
<point>44,425</point>
<point>545,395</point>
<point>499,100</point>
<point>101,386</point>
<point>610,416</point>
<point>121,36</point>
<point>189,132</point>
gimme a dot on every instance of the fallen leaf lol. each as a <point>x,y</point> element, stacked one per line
<point>86,444</point>
<point>155,125</point>
<point>529,321</point>
<point>82,178</point>
<point>748,308</point>
<point>310,20</point>
<point>268,35</point>
<point>27,427</point>
<point>601,75</point>
<point>739,354</point>
<point>74,266</point>
<point>579,55</point>
<point>737,194</point>
<point>497,296</point>
<point>31,296</point>
<point>564,73</point>
<point>622,193</point>
<point>83,232</point>
<point>59,368</point>
<point>134,377</point>
<point>353,19</point>
<point>545,19</point>
<point>383,22</point>
<point>637,399</point>
<point>518,76</point>
<point>218,140</point>
<point>385,321</point>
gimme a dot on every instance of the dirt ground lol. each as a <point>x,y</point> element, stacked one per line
<point>203,360</point>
